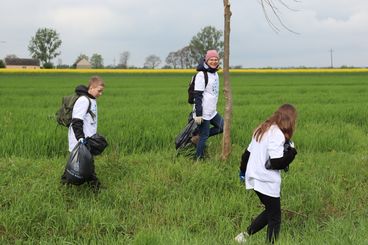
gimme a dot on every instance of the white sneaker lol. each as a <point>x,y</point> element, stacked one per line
<point>241,238</point>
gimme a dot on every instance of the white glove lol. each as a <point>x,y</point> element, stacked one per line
<point>83,141</point>
<point>198,120</point>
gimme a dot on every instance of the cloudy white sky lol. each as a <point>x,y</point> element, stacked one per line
<point>144,27</point>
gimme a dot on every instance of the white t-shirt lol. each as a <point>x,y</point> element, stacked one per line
<point>210,93</point>
<point>80,111</point>
<point>257,177</point>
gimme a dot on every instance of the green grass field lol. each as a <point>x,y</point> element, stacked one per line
<point>152,197</point>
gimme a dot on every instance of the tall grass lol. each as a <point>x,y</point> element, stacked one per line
<point>152,197</point>
<point>142,112</point>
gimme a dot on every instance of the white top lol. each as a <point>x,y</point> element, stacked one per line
<point>210,93</point>
<point>89,124</point>
<point>257,177</point>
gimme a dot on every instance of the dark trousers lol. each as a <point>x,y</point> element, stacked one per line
<point>271,217</point>
<point>205,131</point>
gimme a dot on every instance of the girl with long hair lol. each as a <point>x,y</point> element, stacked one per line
<point>270,151</point>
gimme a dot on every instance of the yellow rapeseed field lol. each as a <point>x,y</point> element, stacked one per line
<point>168,71</point>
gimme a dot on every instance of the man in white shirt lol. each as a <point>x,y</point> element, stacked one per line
<point>84,118</point>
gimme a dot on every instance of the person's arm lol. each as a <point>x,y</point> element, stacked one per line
<point>198,97</point>
<point>77,125</point>
<point>278,157</point>
<point>244,160</point>
<point>199,87</point>
<point>79,111</point>
<point>244,163</point>
<point>285,161</point>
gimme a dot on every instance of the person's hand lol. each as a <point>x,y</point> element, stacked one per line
<point>288,145</point>
<point>242,176</point>
<point>83,141</point>
<point>198,120</point>
<point>291,147</point>
<point>268,165</point>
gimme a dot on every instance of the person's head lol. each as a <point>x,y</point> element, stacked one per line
<point>212,58</point>
<point>96,86</point>
<point>284,118</point>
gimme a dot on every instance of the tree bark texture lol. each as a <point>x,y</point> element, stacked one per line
<point>226,139</point>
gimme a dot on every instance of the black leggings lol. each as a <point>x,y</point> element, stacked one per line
<point>271,216</point>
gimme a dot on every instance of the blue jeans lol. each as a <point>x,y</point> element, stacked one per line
<point>205,132</point>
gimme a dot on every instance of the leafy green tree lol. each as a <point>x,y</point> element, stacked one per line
<point>44,45</point>
<point>2,64</point>
<point>48,65</point>
<point>208,38</point>
<point>96,61</point>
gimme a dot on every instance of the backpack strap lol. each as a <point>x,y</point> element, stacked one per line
<point>89,108</point>
<point>205,78</point>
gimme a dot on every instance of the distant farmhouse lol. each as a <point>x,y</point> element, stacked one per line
<point>83,64</point>
<point>19,63</point>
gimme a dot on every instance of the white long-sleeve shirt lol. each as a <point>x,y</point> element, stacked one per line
<point>257,177</point>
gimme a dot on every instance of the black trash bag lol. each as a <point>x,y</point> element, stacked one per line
<point>96,144</point>
<point>287,147</point>
<point>80,166</point>
<point>183,139</point>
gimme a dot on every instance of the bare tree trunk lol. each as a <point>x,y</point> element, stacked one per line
<point>226,140</point>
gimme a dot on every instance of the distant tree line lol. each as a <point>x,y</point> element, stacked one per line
<point>45,45</point>
<point>187,57</point>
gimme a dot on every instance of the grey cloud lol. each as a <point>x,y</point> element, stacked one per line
<point>146,27</point>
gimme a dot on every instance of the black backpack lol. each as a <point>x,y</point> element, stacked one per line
<point>191,87</point>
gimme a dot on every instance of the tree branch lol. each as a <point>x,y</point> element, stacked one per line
<point>270,4</point>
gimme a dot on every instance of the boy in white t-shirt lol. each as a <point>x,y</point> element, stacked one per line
<point>269,152</point>
<point>84,118</point>
<point>205,101</point>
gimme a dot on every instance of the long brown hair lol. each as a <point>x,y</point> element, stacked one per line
<point>284,118</point>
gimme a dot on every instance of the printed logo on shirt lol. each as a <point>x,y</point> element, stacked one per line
<point>94,108</point>
<point>215,87</point>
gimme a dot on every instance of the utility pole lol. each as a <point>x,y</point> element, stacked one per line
<point>331,57</point>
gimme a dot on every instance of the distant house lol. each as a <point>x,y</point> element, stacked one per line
<point>83,64</point>
<point>19,63</point>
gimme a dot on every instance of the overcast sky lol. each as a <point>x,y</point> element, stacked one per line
<point>145,27</point>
